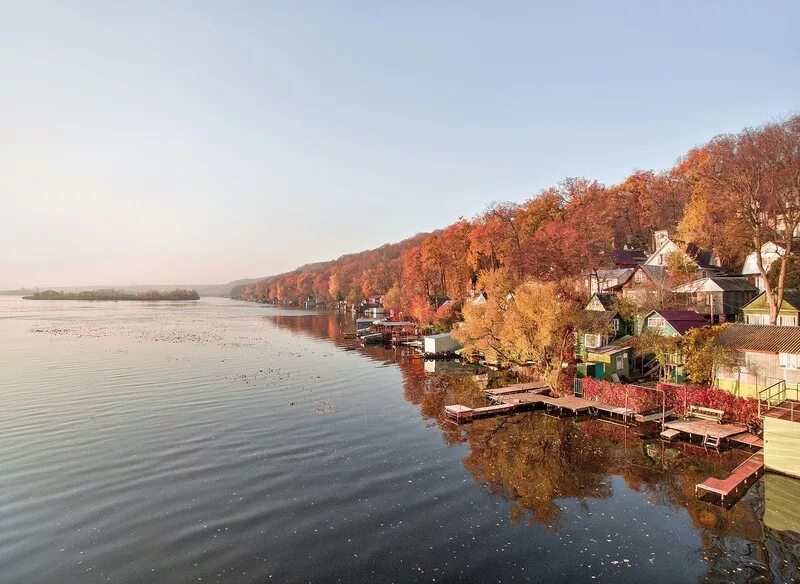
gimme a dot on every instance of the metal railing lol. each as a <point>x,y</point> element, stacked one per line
<point>780,400</point>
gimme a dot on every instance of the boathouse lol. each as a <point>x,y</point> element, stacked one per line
<point>440,344</point>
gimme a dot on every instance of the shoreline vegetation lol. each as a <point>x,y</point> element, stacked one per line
<point>149,295</point>
<point>512,283</point>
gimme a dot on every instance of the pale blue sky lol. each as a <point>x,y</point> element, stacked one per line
<point>199,142</point>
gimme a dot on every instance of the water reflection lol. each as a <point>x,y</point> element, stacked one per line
<point>539,462</point>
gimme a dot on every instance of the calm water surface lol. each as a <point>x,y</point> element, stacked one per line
<point>230,442</point>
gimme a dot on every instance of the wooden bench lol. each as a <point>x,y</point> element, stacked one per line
<point>705,413</point>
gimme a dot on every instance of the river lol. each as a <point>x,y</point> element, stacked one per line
<point>223,441</point>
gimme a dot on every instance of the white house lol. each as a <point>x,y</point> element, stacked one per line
<point>770,252</point>
<point>707,261</point>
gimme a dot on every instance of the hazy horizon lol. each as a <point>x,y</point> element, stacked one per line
<point>204,143</point>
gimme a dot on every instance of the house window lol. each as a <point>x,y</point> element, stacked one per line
<point>789,360</point>
<point>787,320</point>
<point>757,319</point>
<point>639,278</point>
<point>656,322</point>
<point>594,341</point>
<point>615,324</point>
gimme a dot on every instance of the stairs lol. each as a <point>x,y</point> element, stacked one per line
<point>711,441</point>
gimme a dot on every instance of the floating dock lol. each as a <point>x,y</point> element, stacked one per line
<point>712,433</point>
<point>460,414</point>
<point>741,478</point>
<point>532,395</point>
<point>533,387</point>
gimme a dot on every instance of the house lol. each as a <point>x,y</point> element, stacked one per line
<point>768,354</point>
<point>770,252</point>
<point>673,323</point>
<point>608,362</point>
<point>438,300</point>
<point>604,280</point>
<point>440,344</point>
<point>757,310</point>
<point>628,257</point>
<point>707,262</point>
<point>479,298</point>
<point>645,281</point>
<point>718,297</point>
<point>601,301</point>
<point>600,346</point>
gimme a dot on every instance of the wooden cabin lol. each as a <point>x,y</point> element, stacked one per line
<point>719,298</point>
<point>757,310</point>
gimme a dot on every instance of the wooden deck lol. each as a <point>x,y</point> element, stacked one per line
<point>742,477</point>
<point>705,428</point>
<point>534,387</point>
<point>506,399</point>
<point>522,398</point>
<point>747,439</point>
<point>460,414</point>
<point>786,410</point>
<point>654,416</point>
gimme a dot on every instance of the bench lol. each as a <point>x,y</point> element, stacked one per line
<point>705,413</point>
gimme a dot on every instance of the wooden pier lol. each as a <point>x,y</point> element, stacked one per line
<point>533,387</point>
<point>712,433</point>
<point>459,414</point>
<point>533,395</point>
<point>741,478</point>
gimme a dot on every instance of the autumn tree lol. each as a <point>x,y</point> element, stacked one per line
<point>791,276</point>
<point>483,328</point>
<point>704,356</point>
<point>750,185</point>
<point>539,328</point>
<point>662,348</point>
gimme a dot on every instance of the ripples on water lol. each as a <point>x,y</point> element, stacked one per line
<point>233,442</point>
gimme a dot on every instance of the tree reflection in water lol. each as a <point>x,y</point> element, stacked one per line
<point>535,461</point>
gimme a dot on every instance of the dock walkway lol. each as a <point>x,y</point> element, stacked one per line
<point>743,476</point>
<point>531,395</point>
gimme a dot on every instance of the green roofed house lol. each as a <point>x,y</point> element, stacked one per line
<point>673,323</point>
<point>757,310</point>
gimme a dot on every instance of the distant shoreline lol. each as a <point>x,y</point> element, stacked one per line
<point>107,295</point>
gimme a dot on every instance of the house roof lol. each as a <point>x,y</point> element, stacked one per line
<point>599,318</point>
<point>439,336</point>
<point>608,350</point>
<point>605,298</point>
<point>791,299</point>
<point>681,320</point>
<point>628,258</point>
<point>761,337</point>
<point>717,284</point>
<point>656,274</point>
<point>702,257</point>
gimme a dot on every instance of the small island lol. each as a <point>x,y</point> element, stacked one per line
<point>149,295</point>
